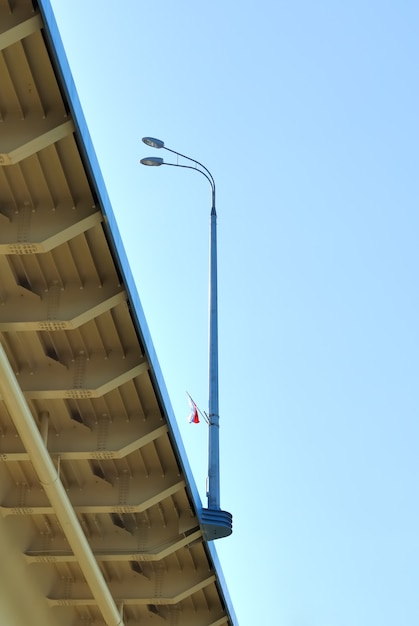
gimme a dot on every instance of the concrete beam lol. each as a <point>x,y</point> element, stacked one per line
<point>97,500</point>
<point>119,592</point>
<point>63,308</point>
<point>46,230</point>
<point>16,33</point>
<point>83,452</point>
<point>21,138</point>
<point>117,555</point>
<point>86,377</point>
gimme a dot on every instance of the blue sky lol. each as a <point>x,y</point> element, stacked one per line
<point>306,113</point>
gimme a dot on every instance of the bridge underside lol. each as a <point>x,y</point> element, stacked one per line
<point>98,520</point>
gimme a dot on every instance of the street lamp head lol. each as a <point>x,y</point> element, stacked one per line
<point>153,143</point>
<point>154,161</point>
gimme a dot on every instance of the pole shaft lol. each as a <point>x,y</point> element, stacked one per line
<point>214,443</point>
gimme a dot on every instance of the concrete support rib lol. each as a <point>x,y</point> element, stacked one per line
<point>158,495</point>
<point>46,232</point>
<point>86,377</point>
<point>32,440</point>
<point>87,454</point>
<point>117,555</point>
<point>36,138</point>
<point>20,31</point>
<point>133,599</point>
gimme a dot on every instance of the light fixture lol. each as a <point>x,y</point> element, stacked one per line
<point>153,142</point>
<point>153,161</point>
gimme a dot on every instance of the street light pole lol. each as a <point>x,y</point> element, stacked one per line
<point>215,522</point>
<point>213,494</point>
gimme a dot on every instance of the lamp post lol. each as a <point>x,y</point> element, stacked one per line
<point>215,522</point>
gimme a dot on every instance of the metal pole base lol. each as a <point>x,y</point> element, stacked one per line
<point>216,524</point>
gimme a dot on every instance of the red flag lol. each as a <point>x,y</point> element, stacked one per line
<point>193,417</point>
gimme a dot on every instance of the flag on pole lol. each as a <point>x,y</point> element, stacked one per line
<point>193,417</point>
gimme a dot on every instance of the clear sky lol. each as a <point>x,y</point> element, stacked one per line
<point>306,113</point>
